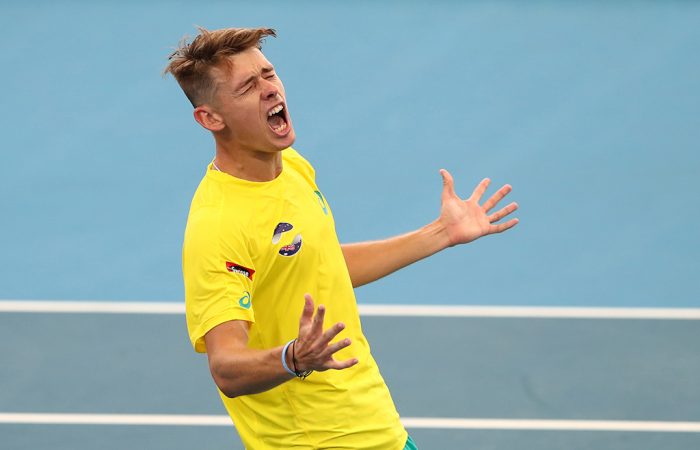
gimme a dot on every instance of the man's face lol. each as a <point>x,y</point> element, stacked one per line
<point>251,100</point>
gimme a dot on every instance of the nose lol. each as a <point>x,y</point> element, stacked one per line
<point>269,90</point>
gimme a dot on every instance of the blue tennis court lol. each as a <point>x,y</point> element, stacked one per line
<point>574,330</point>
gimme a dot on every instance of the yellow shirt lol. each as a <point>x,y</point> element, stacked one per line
<point>251,252</point>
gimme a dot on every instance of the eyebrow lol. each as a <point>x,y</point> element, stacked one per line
<point>264,70</point>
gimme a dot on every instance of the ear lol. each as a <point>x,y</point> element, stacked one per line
<point>209,119</point>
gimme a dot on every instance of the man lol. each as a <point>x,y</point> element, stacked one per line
<point>260,248</point>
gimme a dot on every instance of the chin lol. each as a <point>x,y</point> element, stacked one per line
<point>285,142</point>
<point>291,138</point>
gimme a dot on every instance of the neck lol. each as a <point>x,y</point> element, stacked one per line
<point>248,165</point>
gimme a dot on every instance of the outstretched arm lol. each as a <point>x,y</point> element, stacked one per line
<point>460,221</point>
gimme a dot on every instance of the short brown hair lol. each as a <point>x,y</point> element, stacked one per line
<point>192,64</point>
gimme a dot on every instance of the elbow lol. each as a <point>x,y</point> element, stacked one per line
<point>233,387</point>
<point>228,387</point>
<point>225,381</point>
<point>228,391</point>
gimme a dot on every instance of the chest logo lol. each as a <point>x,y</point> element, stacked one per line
<point>289,249</point>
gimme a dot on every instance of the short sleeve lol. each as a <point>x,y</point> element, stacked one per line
<point>218,277</point>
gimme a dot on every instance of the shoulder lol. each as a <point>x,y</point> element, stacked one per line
<point>216,213</point>
<point>298,163</point>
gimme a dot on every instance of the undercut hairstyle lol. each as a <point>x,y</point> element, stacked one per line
<point>194,64</point>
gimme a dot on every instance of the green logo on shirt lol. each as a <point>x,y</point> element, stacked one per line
<point>321,202</point>
<point>245,300</point>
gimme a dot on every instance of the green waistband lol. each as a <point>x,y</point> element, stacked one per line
<point>410,445</point>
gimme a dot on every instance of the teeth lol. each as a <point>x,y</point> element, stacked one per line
<point>281,127</point>
<point>275,110</point>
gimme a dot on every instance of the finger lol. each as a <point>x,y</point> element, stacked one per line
<point>448,185</point>
<point>317,326</point>
<point>337,346</point>
<point>308,311</point>
<point>495,217</point>
<point>497,197</point>
<point>340,365</point>
<point>332,332</point>
<point>501,227</point>
<point>480,189</point>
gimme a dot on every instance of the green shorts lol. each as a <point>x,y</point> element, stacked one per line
<point>410,445</point>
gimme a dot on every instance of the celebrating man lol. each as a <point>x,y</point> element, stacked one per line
<point>260,248</point>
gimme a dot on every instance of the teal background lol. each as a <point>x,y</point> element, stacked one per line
<point>591,110</point>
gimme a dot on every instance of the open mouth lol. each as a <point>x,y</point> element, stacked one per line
<point>277,119</point>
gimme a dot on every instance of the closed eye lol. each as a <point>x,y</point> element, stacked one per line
<point>246,88</point>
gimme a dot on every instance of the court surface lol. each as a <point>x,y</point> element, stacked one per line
<point>130,380</point>
<point>576,330</point>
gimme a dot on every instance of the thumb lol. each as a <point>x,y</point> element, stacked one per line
<point>448,185</point>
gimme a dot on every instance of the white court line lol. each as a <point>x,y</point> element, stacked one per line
<point>558,312</point>
<point>553,425</point>
<point>49,306</point>
<point>408,422</point>
<point>115,419</point>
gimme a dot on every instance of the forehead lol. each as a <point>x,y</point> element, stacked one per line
<point>244,64</point>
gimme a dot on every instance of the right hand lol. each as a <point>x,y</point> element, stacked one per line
<point>313,349</point>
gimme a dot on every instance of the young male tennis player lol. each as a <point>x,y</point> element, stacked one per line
<point>260,248</point>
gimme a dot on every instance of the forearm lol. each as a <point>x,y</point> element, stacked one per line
<point>239,370</point>
<point>369,261</point>
<point>243,371</point>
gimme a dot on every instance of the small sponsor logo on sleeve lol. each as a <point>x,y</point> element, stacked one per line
<point>245,301</point>
<point>239,269</point>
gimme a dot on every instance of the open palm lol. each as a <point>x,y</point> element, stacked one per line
<point>467,220</point>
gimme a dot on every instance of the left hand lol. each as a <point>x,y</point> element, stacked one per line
<point>465,220</point>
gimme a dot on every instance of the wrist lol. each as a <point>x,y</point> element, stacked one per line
<point>287,359</point>
<point>439,236</point>
<point>298,371</point>
<point>289,362</point>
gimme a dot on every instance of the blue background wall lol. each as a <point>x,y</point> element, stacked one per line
<point>591,110</point>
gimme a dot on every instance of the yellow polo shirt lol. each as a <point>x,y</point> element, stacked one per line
<point>251,252</point>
